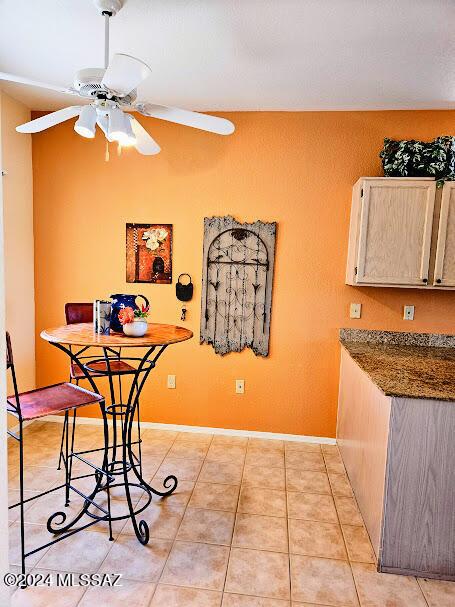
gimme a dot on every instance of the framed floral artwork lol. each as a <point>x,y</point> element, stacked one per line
<point>149,253</point>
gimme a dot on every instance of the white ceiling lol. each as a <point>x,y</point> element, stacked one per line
<point>244,54</point>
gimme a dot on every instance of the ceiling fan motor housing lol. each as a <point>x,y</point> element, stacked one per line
<point>87,83</point>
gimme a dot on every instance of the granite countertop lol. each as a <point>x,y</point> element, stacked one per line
<point>404,364</point>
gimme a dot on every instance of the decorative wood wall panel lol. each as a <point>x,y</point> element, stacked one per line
<point>237,281</point>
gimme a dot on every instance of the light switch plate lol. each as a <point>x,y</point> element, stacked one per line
<point>408,313</point>
<point>171,381</point>
<point>355,310</point>
<point>239,386</point>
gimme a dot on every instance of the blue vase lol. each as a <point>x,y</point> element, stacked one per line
<point>120,301</point>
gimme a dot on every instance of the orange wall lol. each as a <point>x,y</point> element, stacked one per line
<point>294,168</point>
<point>18,234</point>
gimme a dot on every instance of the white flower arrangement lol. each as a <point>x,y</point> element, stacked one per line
<point>155,238</point>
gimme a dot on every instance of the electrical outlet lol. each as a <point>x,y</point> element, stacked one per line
<point>355,310</point>
<point>239,386</point>
<point>408,313</point>
<point>171,381</point>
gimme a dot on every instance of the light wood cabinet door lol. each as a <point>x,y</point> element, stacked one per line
<point>394,237</point>
<point>444,269</point>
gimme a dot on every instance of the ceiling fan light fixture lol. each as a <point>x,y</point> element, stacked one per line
<point>85,125</point>
<point>120,128</point>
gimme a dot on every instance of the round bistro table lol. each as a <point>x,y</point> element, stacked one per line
<point>119,460</point>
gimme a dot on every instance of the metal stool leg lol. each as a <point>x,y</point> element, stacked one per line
<point>70,454</point>
<point>66,460</point>
<point>139,437</point>
<point>21,492</point>
<point>108,479</point>
<point>109,520</point>
<point>60,457</point>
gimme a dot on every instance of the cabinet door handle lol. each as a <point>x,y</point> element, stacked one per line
<point>425,280</point>
<point>439,280</point>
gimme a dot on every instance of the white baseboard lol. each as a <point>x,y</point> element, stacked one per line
<point>300,438</point>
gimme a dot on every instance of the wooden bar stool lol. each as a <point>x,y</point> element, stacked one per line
<point>27,406</point>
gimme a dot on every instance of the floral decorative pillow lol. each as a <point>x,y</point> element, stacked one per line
<point>419,158</point>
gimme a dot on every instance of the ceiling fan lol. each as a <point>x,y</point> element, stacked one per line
<point>111,91</point>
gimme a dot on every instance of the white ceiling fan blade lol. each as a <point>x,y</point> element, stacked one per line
<point>42,85</point>
<point>124,73</point>
<point>145,144</point>
<point>44,122</point>
<point>213,124</point>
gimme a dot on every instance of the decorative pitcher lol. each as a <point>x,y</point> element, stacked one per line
<point>120,301</point>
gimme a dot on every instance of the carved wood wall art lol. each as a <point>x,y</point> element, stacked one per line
<point>237,284</point>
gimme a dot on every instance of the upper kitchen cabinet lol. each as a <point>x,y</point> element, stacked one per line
<point>444,270</point>
<point>393,234</point>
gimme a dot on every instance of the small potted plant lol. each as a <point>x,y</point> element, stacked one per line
<point>134,322</point>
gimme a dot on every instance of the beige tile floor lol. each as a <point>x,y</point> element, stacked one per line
<point>253,523</point>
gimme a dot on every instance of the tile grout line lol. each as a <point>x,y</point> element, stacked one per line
<point>287,523</point>
<point>341,529</point>
<point>423,594</point>
<point>156,583</point>
<point>126,522</point>
<point>223,592</point>
<point>164,457</point>
<point>238,500</point>
<point>363,526</point>
<point>181,521</point>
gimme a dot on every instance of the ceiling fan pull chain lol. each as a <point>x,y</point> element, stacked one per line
<point>106,155</point>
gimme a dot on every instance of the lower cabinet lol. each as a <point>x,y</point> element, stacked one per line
<point>399,454</point>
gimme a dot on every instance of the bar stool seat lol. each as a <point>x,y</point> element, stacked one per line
<point>51,400</point>
<point>117,366</point>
